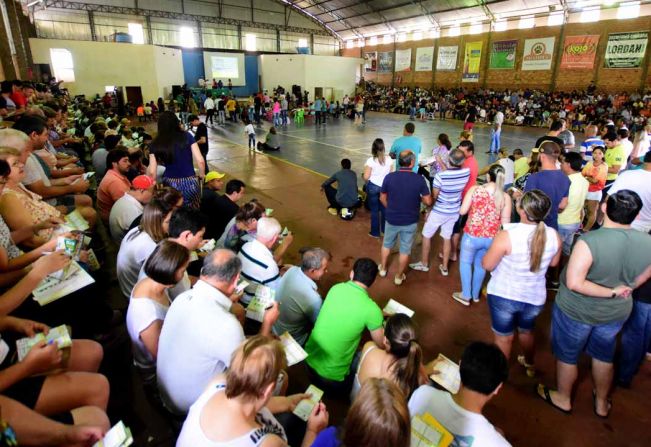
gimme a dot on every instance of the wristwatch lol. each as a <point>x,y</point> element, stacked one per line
<point>613,294</point>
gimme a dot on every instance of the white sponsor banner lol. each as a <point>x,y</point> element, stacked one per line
<point>447,59</point>
<point>403,60</point>
<point>424,59</point>
<point>538,54</point>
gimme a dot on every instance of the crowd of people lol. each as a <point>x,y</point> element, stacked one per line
<point>192,255</point>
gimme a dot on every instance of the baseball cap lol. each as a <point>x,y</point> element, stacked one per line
<point>212,175</point>
<point>142,182</point>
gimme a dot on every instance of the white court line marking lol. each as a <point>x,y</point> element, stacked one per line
<point>327,144</point>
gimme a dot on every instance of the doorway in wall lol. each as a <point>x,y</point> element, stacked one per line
<point>318,92</point>
<point>134,96</point>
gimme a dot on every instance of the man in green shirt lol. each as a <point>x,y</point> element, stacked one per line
<point>594,300</point>
<point>346,312</point>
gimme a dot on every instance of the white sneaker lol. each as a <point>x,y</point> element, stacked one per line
<point>419,266</point>
<point>456,296</point>
<point>398,280</point>
<point>443,271</point>
<point>381,272</point>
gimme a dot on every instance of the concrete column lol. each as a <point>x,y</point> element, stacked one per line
<point>311,43</point>
<point>15,31</point>
<point>7,50</point>
<point>150,39</point>
<point>199,34</point>
<point>277,40</point>
<point>91,24</point>
<point>239,36</point>
<point>559,55</point>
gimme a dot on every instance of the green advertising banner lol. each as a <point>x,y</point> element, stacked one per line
<point>503,54</point>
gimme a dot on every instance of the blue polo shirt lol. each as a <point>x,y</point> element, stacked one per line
<point>403,143</point>
<point>556,185</point>
<point>404,189</point>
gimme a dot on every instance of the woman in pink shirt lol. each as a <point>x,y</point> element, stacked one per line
<point>276,112</point>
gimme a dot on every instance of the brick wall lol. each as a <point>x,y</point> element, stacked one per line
<point>606,78</point>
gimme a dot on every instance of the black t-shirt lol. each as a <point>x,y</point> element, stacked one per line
<point>557,140</point>
<point>221,105</point>
<point>472,113</point>
<point>219,211</point>
<point>3,102</point>
<point>202,131</point>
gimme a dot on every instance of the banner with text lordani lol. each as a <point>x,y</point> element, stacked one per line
<point>626,50</point>
<point>471,62</point>
<point>538,54</point>
<point>579,52</point>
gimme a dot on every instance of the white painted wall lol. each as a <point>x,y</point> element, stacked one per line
<point>98,64</point>
<point>309,72</point>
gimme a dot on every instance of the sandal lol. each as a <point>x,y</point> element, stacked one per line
<point>548,398</point>
<point>609,401</point>
<point>531,370</point>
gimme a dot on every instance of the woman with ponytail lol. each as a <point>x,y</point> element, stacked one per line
<point>400,361</point>
<point>488,208</point>
<point>518,259</point>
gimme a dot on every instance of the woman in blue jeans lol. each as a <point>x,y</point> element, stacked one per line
<point>518,259</point>
<point>375,169</point>
<point>488,208</point>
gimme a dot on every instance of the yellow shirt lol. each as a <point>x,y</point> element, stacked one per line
<point>615,156</point>
<point>521,167</point>
<point>575,200</point>
<point>230,105</point>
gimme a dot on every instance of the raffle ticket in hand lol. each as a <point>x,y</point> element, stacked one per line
<point>446,374</point>
<point>118,436</point>
<point>393,307</point>
<point>294,352</point>
<point>59,335</point>
<point>304,407</point>
<point>263,300</point>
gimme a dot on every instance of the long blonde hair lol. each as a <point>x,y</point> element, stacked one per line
<point>536,205</point>
<point>496,175</point>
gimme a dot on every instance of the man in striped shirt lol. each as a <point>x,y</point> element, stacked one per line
<point>447,187</point>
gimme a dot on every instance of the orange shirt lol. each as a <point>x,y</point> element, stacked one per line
<point>112,187</point>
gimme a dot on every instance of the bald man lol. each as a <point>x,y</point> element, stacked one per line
<point>591,140</point>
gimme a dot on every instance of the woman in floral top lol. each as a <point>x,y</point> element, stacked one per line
<point>439,159</point>
<point>488,207</point>
<point>595,172</point>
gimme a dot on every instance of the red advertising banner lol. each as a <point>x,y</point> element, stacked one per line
<point>579,52</point>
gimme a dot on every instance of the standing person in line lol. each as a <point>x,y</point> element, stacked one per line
<point>569,220</point>
<point>447,187</point>
<point>402,193</point>
<point>209,105</point>
<point>615,158</point>
<point>591,141</point>
<point>200,136</point>
<point>593,301</point>
<point>439,159</point>
<point>284,106</point>
<point>359,111</point>
<point>595,172</point>
<point>496,132</point>
<point>407,142</point>
<point>317,111</point>
<point>518,259</point>
<point>176,150</point>
<point>488,208</point>
<point>636,336</point>
<point>468,149</point>
<point>375,170</point>
<point>249,131</point>
<point>275,110</point>
<point>221,111</point>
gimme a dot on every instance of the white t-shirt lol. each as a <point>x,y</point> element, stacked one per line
<point>249,129</point>
<point>258,267</point>
<point>34,172</point>
<point>124,211</point>
<point>469,429</point>
<point>638,180</point>
<point>628,148</point>
<point>378,171</point>
<point>142,313</point>
<point>196,343</point>
<point>509,169</point>
<point>134,251</point>
<point>499,118</point>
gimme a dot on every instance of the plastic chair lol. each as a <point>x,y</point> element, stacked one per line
<point>299,116</point>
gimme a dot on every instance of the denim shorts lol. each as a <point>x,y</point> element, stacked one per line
<point>567,232</point>
<point>405,233</point>
<point>507,315</point>
<point>571,337</point>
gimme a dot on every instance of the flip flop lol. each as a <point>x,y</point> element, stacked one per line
<point>548,398</point>
<point>609,401</point>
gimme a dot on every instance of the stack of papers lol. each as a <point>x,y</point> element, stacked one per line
<point>304,407</point>
<point>118,436</point>
<point>263,300</point>
<point>446,374</point>
<point>53,288</point>
<point>428,432</point>
<point>393,307</point>
<point>75,221</point>
<point>59,335</point>
<point>294,352</point>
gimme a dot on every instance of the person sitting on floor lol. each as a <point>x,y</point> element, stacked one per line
<point>345,195</point>
<point>483,369</point>
<point>271,142</point>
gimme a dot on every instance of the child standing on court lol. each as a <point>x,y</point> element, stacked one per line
<point>250,131</point>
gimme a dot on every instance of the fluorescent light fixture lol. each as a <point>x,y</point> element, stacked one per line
<point>526,22</point>
<point>454,31</point>
<point>35,2</point>
<point>387,39</point>
<point>628,10</point>
<point>555,19</point>
<point>500,25</point>
<point>187,36</point>
<point>476,28</point>
<point>137,34</point>
<point>373,41</point>
<point>250,43</point>
<point>591,14</point>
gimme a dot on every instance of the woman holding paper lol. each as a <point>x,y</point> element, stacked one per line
<point>518,259</point>
<point>149,303</point>
<point>237,408</point>
<point>400,361</point>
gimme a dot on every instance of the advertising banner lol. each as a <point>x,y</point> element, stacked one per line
<point>471,62</point>
<point>370,61</point>
<point>626,50</point>
<point>424,59</point>
<point>384,62</point>
<point>447,59</point>
<point>579,52</point>
<point>538,54</point>
<point>403,60</point>
<point>503,54</point>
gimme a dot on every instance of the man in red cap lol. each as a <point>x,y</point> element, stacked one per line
<point>130,206</point>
